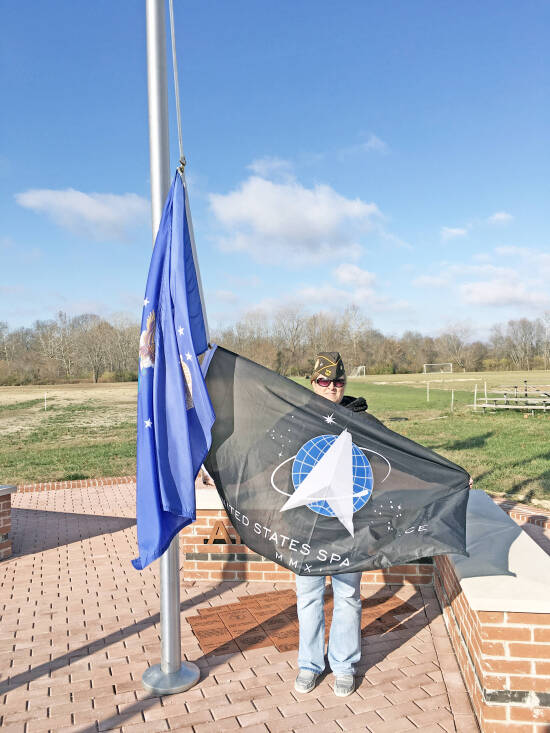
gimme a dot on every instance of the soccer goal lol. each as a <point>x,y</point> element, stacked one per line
<point>445,367</point>
<point>358,371</point>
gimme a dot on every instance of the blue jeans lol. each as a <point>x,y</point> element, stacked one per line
<point>344,645</point>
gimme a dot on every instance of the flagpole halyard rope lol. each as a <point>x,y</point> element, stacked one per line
<point>183,161</point>
<point>176,80</point>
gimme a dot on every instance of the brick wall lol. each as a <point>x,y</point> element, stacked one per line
<point>5,521</point>
<point>211,550</point>
<point>504,658</point>
<point>524,514</point>
<point>75,484</point>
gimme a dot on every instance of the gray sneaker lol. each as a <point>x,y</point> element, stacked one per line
<point>344,685</point>
<point>306,680</point>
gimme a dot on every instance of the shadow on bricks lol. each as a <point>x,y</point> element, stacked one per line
<point>270,619</point>
<point>37,530</point>
<point>64,660</point>
<point>387,623</point>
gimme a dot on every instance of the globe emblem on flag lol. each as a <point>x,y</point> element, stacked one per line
<point>311,453</point>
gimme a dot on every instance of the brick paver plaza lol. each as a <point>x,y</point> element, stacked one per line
<point>78,626</point>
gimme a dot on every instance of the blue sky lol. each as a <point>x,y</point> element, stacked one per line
<point>390,154</point>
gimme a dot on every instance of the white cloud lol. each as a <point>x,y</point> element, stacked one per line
<point>430,281</point>
<point>534,259</point>
<point>452,232</point>
<point>481,257</point>
<point>394,239</point>
<point>505,278</point>
<point>520,283</point>
<point>354,276</point>
<point>271,167</point>
<point>101,216</point>
<point>374,144</point>
<point>349,285</point>
<point>528,260</point>
<point>227,296</point>
<point>286,222</point>
<point>510,250</point>
<point>322,296</point>
<point>328,296</point>
<point>503,292</point>
<point>354,285</point>
<point>500,217</point>
<point>486,269</point>
<point>244,282</point>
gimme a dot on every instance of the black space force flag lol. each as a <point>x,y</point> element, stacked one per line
<point>318,488</point>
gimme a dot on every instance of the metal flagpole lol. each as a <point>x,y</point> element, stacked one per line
<point>170,675</point>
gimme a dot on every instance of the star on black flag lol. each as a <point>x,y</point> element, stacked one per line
<point>324,491</point>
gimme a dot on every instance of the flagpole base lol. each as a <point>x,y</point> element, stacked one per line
<point>156,681</point>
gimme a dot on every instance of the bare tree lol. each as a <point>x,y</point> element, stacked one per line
<point>546,339</point>
<point>354,325</point>
<point>22,356</point>
<point>451,344</point>
<point>474,354</point>
<point>322,332</point>
<point>288,334</point>
<point>123,341</point>
<point>92,339</point>
<point>66,343</point>
<point>418,350</point>
<point>521,340</point>
<point>4,331</point>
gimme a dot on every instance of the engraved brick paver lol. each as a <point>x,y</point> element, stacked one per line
<point>78,626</point>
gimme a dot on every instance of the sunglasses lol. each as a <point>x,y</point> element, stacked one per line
<point>322,382</point>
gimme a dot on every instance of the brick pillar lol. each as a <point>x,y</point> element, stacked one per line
<point>5,519</point>
<point>504,658</point>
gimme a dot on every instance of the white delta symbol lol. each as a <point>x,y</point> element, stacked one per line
<point>332,476</point>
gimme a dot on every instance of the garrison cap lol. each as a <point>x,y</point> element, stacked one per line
<point>328,364</point>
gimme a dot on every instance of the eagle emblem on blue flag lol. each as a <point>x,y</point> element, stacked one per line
<point>147,343</point>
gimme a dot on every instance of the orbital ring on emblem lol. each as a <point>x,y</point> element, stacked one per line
<point>331,476</point>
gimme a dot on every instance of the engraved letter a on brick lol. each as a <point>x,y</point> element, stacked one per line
<point>219,532</point>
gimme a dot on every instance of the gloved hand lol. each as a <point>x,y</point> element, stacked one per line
<point>358,405</point>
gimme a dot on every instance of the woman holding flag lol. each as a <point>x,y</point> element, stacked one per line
<point>344,646</point>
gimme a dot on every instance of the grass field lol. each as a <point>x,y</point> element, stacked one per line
<point>89,430</point>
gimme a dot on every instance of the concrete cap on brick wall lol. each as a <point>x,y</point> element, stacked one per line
<point>207,498</point>
<point>7,489</point>
<point>506,570</point>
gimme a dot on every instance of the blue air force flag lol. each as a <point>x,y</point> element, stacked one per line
<point>321,489</point>
<point>175,415</point>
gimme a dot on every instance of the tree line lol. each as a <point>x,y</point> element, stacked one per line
<point>288,342</point>
<point>88,347</point>
<point>69,349</point>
